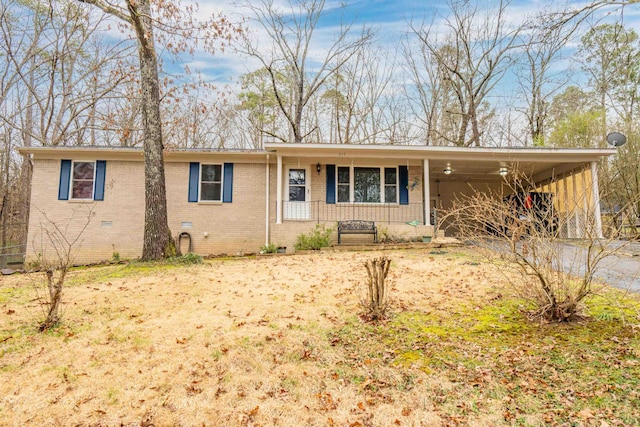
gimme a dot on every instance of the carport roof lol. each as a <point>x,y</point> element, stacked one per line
<point>467,163</point>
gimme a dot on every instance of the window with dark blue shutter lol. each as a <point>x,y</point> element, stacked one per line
<point>194,181</point>
<point>331,184</point>
<point>227,192</point>
<point>101,173</point>
<point>65,177</point>
<point>403,181</point>
<point>82,180</point>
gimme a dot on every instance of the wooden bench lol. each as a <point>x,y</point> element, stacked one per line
<point>357,226</point>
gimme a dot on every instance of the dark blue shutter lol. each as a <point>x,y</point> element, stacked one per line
<point>101,171</point>
<point>65,177</point>
<point>194,178</point>
<point>227,191</point>
<point>403,173</point>
<point>331,184</point>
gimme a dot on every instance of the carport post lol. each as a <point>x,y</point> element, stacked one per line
<point>596,199</point>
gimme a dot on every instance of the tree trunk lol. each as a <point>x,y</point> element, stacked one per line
<point>157,237</point>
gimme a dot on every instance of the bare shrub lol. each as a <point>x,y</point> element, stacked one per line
<point>522,231</point>
<point>59,244</point>
<point>375,303</point>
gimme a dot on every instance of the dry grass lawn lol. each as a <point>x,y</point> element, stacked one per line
<point>276,341</point>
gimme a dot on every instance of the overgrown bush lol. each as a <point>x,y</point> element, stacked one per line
<point>316,239</point>
<point>375,303</point>
<point>518,237</point>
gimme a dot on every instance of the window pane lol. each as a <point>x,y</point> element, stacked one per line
<point>366,185</point>
<point>343,193</point>
<point>296,177</point>
<point>83,170</point>
<point>211,173</point>
<point>390,175</point>
<point>211,191</point>
<point>390,194</point>
<point>296,193</point>
<point>82,190</point>
<point>343,175</point>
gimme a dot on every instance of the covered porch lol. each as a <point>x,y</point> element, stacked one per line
<point>325,183</point>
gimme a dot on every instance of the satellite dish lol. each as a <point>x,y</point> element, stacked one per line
<point>616,139</point>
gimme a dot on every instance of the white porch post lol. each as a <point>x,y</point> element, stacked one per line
<point>279,191</point>
<point>596,199</point>
<point>426,191</point>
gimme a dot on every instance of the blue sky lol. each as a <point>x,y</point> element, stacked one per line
<point>391,20</point>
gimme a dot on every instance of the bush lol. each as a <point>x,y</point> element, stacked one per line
<point>317,238</point>
<point>270,248</point>
<point>375,304</point>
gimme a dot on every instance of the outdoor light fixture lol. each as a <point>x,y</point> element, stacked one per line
<point>318,168</point>
<point>448,170</point>
<point>503,171</point>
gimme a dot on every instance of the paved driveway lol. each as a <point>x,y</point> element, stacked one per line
<point>620,269</point>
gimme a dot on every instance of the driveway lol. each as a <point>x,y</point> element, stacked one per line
<point>620,269</point>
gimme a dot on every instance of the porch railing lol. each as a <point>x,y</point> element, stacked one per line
<point>319,211</point>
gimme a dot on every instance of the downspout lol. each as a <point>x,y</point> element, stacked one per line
<point>266,219</point>
<point>596,199</point>
<point>279,190</point>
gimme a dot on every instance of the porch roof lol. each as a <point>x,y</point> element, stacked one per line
<point>467,163</point>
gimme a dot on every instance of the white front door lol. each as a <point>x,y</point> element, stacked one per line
<point>297,205</point>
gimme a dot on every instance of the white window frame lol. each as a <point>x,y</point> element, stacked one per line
<point>200,182</point>
<point>307,182</point>
<point>72,180</point>
<point>383,185</point>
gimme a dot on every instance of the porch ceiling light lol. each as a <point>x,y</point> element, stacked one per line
<point>503,171</point>
<point>448,170</point>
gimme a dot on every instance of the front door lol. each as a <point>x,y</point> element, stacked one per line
<point>298,205</point>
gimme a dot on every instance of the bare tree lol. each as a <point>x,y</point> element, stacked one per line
<point>292,34</point>
<point>178,28</point>
<point>55,74</point>
<point>469,60</point>
<point>541,50</point>
<point>357,100</point>
<point>58,246</point>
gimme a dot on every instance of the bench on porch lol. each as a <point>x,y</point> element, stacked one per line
<point>357,226</point>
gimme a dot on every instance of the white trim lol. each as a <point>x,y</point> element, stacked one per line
<point>596,199</point>
<point>434,152</point>
<point>307,184</point>
<point>267,191</point>
<point>93,181</point>
<point>279,190</point>
<point>200,200</point>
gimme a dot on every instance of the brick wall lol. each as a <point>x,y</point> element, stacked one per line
<point>117,223</point>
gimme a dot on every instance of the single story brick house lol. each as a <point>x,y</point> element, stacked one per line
<point>235,201</point>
